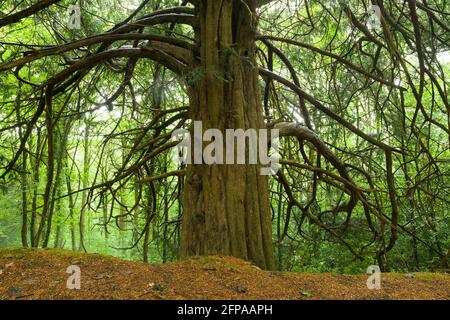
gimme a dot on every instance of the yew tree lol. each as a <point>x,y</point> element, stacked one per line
<point>350,96</point>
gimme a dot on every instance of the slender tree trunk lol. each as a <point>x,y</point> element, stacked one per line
<point>150,209</point>
<point>105,217</point>
<point>226,207</point>
<point>35,189</point>
<point>23,175</point>
<point>279,231</point>
<point>123,196</point>
<point>59,243</point>
<point>145,245</point>
<point>60,155</point>
<point>24,187</point>
<point>135,219</point>
<point>85,181</point>
<point>105,201</point>
<point>165,225</point>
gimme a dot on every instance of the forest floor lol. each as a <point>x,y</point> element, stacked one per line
<point>41,274</point>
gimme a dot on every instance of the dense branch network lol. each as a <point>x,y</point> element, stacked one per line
<point>381,75</point>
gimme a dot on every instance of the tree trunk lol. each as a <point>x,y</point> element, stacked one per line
<point>59,233</point>
<point>23,175</point>
<point>226,207</point>
<point>85,182</point>
<point>36,166</point>
<point>71,213</point>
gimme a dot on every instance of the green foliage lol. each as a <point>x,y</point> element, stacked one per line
<point>126,216</point>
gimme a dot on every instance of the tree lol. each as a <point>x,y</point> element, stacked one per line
<point>357,89</point>
<point>226,96</point>
<point>226,207</point>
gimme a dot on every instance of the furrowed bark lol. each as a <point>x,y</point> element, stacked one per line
<point>226,207</point>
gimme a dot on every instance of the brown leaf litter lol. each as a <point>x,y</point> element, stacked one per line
<point>41,274</point>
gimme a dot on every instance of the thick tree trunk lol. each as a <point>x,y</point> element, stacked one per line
<point>85,182</point>
<point>226,207</point>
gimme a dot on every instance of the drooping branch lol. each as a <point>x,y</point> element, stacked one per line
<point>324,109</point>
<point>147,52</point>
<point>16,17</point>
<point>303,133</point>
<point>178,173</point>
<point>334,56</point>
<point>105,38</point>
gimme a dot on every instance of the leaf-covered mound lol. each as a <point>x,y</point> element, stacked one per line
<point>41,274</point>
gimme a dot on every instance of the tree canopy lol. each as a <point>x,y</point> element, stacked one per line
<point>357,88</point>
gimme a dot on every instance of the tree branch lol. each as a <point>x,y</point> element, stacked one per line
<point>16,17</point>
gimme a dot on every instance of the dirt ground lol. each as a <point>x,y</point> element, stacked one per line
<point>41,274</point>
